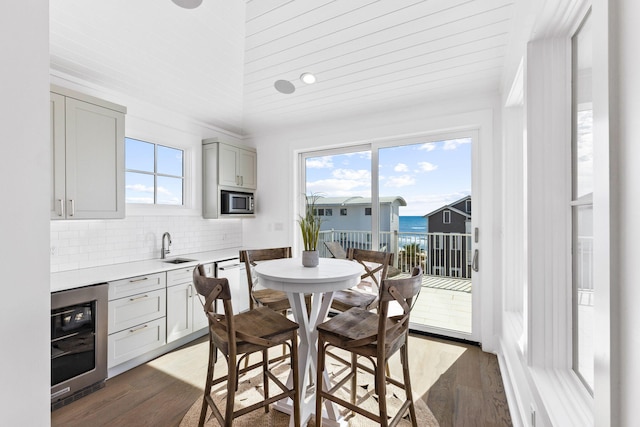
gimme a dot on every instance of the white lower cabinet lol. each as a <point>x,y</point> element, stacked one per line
<point>184,309</point>
<point>137,317</point>
<point>135,341</point>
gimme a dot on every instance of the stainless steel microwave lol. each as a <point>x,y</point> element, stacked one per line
<point>235,202</point>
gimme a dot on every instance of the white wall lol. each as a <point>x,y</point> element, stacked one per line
<point>24,172</point>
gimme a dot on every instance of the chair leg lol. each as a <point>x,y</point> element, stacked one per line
<point>354,377</point>
<point>404,355</point>
<point>381,389</point>
<point>232,381</point>
<point>320,370</point>
<point>208,384</point>
<point>265,378</point>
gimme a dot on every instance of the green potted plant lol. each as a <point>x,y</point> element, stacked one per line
<point>310,228</point>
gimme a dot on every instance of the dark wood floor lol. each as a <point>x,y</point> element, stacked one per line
<point>460,383</point>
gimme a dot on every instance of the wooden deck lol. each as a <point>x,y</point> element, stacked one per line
<point>443,303</point>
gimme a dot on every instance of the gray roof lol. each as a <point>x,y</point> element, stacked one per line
<point>449,206</point>
<point>357,200</point>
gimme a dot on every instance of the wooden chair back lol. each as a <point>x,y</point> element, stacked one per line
<point>221,328</point>
<point>376,265</point>
<point>403,292</point>
<point>336,250</point>
<point>251,257</point>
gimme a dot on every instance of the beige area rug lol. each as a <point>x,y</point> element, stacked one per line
<point>250,390</point>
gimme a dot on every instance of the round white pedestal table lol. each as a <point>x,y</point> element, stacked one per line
<point>321,282</point>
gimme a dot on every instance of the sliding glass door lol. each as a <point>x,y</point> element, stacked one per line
<point>413,198</point>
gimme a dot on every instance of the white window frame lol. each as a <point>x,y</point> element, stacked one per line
<point>446,216</point>
<point>155,174</point>
<point>557,396</point>
<point>189,188</point>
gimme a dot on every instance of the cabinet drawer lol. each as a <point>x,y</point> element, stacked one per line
<point>181,275</point>
<point>136,341</point>
<point>136,309</point>
<point>136,285</point>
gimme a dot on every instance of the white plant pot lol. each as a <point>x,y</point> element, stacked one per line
<point>310,258</point>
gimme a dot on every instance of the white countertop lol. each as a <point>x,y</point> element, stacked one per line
<point>64,280</point>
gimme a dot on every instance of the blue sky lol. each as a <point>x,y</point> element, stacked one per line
<point>427,175</point>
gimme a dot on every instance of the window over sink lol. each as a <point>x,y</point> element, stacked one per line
<point>154,173</point>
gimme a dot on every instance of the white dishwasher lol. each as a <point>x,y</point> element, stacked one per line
<point>234,271</point>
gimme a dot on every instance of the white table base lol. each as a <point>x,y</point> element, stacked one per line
<point>308,359</point>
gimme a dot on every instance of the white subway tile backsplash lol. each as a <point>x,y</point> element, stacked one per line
<point>83,244</point>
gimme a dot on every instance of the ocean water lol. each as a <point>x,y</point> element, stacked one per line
<point>413,224</point>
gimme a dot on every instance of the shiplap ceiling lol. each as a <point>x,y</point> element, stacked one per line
<point>218,63</point>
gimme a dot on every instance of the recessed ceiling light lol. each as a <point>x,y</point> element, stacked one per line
<point>308,78</point>
<point>284,86</point>
<point>188,4</point>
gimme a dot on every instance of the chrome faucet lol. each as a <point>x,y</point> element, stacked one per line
<point>165,249</point>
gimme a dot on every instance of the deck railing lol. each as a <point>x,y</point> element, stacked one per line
<point>439,254</point>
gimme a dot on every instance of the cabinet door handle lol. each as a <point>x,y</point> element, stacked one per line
<point>190,294</point>
<point>72,207</point>
<point>237,179</point>
<point>139,297</point>
<point>241,181</point>
<point>61,205</point>
<point>138,280</point>
<point>137,329</point>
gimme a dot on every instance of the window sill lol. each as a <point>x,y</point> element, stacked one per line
<point>564,397</point>
<point>160,210</point>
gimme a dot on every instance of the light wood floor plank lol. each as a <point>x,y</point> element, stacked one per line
<point>460,384</point>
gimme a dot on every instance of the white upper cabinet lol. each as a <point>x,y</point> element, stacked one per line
<point>226,166</point>
<point>87,146</point>
<point>237,166</point>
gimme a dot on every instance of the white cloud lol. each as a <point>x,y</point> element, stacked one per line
<point>427,203</point>
<point>427,167</point>
<point>452,144</point>
<point>401,167</point>
<point>352,174</point>
<point>339,188</point>
<point>162,190</point>
<point>140,188</point>
<point>400,181</point>
<point>429,146</point>
<point>320,162</point>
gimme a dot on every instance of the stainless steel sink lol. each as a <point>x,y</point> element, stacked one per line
<point>178,260</point>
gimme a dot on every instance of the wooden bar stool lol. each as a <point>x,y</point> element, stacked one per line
<point>276,300</point>
<point>375,266</point>
<point>237,336</point>
<point>376,336</point>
